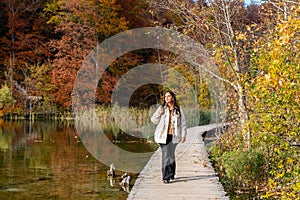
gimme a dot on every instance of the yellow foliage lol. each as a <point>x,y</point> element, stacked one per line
<point>274,102</point>
<point>241,36</point>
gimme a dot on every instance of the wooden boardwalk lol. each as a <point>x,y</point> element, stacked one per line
<point>195,177</point>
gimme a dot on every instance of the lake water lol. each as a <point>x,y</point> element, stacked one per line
<point>47,160</point>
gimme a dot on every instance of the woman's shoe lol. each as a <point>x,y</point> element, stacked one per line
<point>172,177</point>
<point>166,181</point>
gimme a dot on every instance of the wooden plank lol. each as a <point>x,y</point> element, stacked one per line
<point>195,177</point>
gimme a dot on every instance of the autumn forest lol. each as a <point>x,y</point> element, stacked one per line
<point>254,46</point>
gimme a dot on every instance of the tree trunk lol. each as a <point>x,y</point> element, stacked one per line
<point>243,114</point>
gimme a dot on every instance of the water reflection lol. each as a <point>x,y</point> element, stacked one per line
<point>46,160</point>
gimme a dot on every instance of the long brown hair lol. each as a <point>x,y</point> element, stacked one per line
<point>176,106</point>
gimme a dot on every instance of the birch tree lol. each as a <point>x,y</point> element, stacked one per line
<point>223,28</point>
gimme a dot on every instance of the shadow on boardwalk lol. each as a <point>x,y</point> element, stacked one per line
<point>195,177</point>
<point>191,178</point>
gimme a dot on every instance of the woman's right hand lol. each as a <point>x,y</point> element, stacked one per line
<point>161,111</point>
<point>182,140</point>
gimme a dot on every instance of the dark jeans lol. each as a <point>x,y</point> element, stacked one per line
<point>168,158</point>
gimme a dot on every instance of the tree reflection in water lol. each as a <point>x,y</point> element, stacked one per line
<point>46,160</point>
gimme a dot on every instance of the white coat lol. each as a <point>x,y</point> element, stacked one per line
<point>161,119</point>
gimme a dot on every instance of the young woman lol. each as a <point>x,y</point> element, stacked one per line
<point>170,130</point>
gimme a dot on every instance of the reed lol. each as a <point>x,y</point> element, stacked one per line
<point>131,119</point>
<point>134,121</point>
